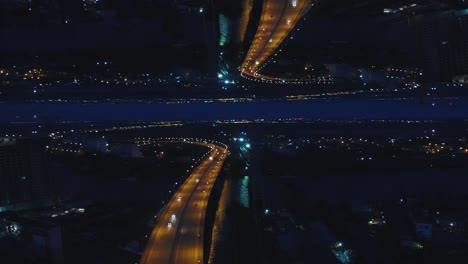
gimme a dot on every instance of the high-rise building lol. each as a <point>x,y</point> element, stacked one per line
<point>443,45</point>
<point>24,178</point>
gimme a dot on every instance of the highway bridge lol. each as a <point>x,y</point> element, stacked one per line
<point>178,234</point>
<point>278,19</point>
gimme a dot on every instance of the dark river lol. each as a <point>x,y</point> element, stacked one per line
<point>339,108</point>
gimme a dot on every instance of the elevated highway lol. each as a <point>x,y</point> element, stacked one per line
<point>178,235</point>
<point>278,19</point>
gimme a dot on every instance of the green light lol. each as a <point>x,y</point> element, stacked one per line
<point>200,10</point>
<point>267,211</point>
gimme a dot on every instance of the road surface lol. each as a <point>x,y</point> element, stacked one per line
<point>178,235</point>
<point>278,18</point>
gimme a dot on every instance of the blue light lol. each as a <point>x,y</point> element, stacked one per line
<point>226,81</point>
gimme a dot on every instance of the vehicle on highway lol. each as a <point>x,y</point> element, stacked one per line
<point>169,224</point>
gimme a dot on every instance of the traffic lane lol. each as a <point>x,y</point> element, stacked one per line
<point>288,16</point>
<point>159,256</point>
<point>161,240</point>
<point>189,246</point>
<point>189,243</point>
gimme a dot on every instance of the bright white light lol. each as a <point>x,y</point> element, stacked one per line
<point>294,3</point>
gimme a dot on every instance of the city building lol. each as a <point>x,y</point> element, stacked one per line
<point>443,39</point>
<point>24,179</point>
<point>95,144</point>
<point>373,76</point>
<point>46,242</point>
<point>423,230</point>
<point>460,78</point>
<point>342,71</point>
<point>125,150</point>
